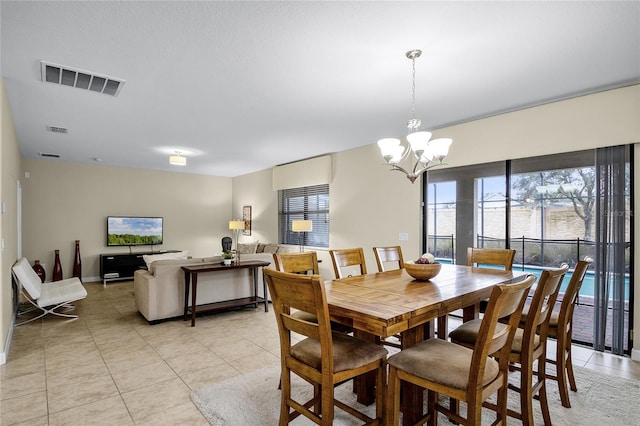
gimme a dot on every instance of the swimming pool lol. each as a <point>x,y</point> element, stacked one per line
<point>587,283</point>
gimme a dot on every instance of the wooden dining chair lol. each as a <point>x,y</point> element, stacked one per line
<point>304,263</point>
<point>529,345</point>
<point>386,255</point>
<point>323,358</point>
<point>347,261</point>
<point>561,329</point>
<point>480,257</point>
<point>468,375</point>
<point>299,263</point>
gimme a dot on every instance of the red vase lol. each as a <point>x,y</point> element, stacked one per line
<point>39,270</point>
<point>77,263</point>
<point>57,267</point>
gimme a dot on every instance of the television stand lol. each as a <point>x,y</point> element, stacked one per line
<point>120,267</point>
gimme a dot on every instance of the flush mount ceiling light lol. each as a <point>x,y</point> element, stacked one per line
<point>420,153</point>
<point>177,159</point>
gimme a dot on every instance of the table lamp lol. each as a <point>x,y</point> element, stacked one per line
<point>236,226</point>
<point>302,226</point>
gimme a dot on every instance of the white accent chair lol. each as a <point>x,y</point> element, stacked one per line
<point>48,296</point>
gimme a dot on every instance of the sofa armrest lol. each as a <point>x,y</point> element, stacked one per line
<point>144,288</point>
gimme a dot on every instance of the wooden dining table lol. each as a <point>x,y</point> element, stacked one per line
<point>384,304</point>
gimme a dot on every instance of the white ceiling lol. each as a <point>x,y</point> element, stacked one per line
<point>243,86</point>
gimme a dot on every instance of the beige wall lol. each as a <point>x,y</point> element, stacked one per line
<point>9,175</point>
<point>64,202</point>
<point>371,206</point>
<point>602,119</point>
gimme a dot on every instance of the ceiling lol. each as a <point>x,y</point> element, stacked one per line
<point>239,87</point>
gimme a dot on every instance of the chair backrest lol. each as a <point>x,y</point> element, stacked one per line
<point>296,262</point>
<point>488,256</point>
<point>304,293</point>
<point>348,258</point>
<point>27,278</point>
<point>544,298</point>
<point>571,293</point>
<point>385,255</point>
<point>506,301</point>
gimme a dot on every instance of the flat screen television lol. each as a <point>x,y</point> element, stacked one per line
<point>134,231</point>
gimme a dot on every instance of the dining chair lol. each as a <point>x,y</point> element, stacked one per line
<point>469,375</point>
<point>481,257</point>
<point>346,261</point>
<point>386,255</point>
<point>322,358</point>
<point>299,263</point>
<point>529,345</point>
<point>561,329</point>
<point>304,263</point>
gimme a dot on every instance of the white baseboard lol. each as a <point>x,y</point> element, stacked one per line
<point>635,354</point>
<point>3,355</point>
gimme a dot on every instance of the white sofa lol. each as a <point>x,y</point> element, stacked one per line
<point>159,291</point>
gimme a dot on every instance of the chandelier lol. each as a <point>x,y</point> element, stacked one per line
<point>420,153</point>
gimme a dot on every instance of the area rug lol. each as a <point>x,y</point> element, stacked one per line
<point>254,399</point>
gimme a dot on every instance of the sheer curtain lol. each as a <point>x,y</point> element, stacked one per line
<point>611,212</point>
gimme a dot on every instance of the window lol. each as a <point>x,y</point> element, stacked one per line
<point>306,203</point>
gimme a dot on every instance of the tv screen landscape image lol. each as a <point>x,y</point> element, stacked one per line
<point>133,231</point>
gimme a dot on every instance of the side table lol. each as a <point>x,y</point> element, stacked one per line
<point>191,284</point>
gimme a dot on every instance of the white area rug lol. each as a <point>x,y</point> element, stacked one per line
<point>253,399</point>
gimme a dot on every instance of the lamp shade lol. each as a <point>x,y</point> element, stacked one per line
<point>236,224</point>
<point>301,225</point>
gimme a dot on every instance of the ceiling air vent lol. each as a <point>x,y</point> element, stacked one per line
<point>67,76</point>
<point>56,129</point>
<point>44,154</point>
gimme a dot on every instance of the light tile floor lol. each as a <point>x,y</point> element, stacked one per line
<point>111,367</point>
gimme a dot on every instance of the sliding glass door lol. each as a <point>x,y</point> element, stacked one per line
<point>545,209</point>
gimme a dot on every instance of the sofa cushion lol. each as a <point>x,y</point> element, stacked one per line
<point>271,248</point>
<point>150,258</point>
<point>247,248</point>
<point>288,249</point>
<point>173,262</point>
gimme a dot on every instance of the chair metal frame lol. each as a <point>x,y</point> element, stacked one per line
<point>49,297</point>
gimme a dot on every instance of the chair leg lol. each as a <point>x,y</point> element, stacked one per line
<point>542,392</point>
<point>328,407</point>
<point>572,379</point>
<point>381,383</point>
<point>561,371</point>
<point>526,398</point>
<point>393,398</point>
<point>432,399</point>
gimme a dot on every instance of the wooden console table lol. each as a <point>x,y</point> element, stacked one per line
<point>191,280</point>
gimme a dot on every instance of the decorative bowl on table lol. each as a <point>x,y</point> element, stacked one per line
<point>424,268</point>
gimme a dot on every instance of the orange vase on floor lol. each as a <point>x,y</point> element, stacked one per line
<point>57,267</point>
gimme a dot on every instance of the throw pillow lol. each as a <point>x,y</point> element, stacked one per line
<point>247,248</point>
<point>150,258</point>
<point>271,248</point>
